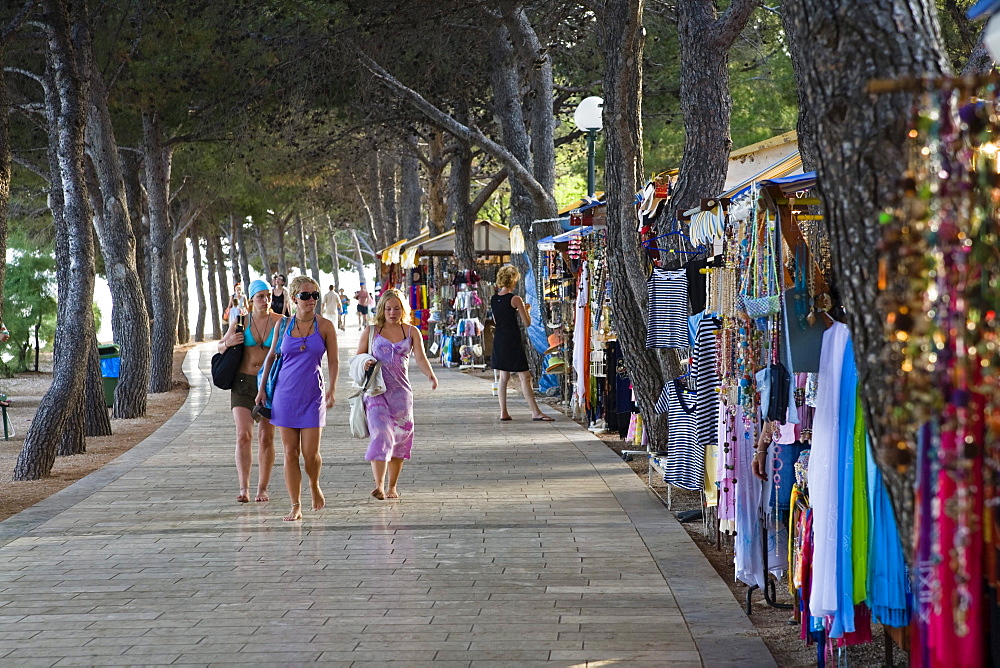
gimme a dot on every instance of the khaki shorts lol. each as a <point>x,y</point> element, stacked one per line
<point>244,391</point>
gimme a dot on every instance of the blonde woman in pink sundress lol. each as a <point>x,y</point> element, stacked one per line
<point>390,414</point>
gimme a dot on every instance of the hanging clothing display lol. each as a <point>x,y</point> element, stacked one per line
<point>667,295</point>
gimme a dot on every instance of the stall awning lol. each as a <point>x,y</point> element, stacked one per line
<point>490,239</point>
<point>390,254</point>
<point>549,243</point>
<point>583,204</point>
<point>787,165</point>
<point>791,184</point>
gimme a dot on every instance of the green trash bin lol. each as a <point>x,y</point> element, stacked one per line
<point>110,370</point>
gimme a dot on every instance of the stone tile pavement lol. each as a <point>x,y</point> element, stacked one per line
<point>514,543</point>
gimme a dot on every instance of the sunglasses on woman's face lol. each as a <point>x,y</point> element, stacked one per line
<point>308,295</point>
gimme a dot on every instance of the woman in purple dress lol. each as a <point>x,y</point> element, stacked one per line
<point>390,414</point>
<point>299,404</point>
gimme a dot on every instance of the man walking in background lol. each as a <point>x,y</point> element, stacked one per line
<point>331,305</point>
<point>362,296</point>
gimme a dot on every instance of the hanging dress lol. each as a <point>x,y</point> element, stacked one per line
<point>685,465</point>
<point>669,309</point>
<point>390,414</point>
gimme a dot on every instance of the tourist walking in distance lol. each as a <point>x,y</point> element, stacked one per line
<point>331,304</point>
<point>342,311</point>
<point>508,351</point>
<point>299,403</point>
<point>280,302</point>
<point>362,296</point>
<point>390,414</point>
<point>254,333</point>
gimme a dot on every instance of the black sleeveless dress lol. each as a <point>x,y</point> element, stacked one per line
<point>278,303</point>
<point>508,352</point>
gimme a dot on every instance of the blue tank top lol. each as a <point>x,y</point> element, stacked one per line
<point>248,339</point>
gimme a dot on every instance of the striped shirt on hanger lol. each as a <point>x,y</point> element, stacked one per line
<point>667,292</point>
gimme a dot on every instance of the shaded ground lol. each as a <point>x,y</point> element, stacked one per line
<point>782,638</point>
<point>25,391</point>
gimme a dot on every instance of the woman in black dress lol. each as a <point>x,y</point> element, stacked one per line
<point>508,352</point>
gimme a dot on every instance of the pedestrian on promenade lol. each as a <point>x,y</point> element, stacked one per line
<point>331,304</point>
<point>390,414</point>
<point>362,296</point>
<point>508,351</point>
<point>255,335</point>
<point>345,303</point>
<point>280,303</point>
<point>299,404</point>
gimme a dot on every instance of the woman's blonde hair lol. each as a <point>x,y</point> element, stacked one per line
<point>507,276</point>
<point>299,281</point>
<point>391,293</point>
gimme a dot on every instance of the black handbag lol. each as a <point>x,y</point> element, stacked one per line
<point>780,384</point>
<point>225,365</point>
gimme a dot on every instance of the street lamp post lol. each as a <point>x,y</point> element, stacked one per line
<point>588,118</point>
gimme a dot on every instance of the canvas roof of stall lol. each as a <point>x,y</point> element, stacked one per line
<point>387,251</point>
<point>583,204</point>
<point>791,184</point>
<point>550,242</point>
<point>424,235</point>
<point>490,239</point>
<point>784,167</point>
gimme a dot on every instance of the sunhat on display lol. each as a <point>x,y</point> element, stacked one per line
<point>555,341</point>
<point>556,365</point>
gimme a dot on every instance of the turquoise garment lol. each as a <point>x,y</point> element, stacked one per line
<point>843,619</point>
<point>889,596</point>
<point>248,339</point>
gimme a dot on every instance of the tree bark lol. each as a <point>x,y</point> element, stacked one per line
<point>214,298</point>
<point>705,100</point>
<point>222,271</point>
<point>461,185</point>
<point>437,206</point>
<point>66,116</point>
<point>623,173</point>
<point>164,330</point>
<point>129,319</point>
<point>334,254</point>
<point>806,125</point>
<point>199,285</point>
<point>300,234</point>
<point>376,211</point>
<point>181,289</point>
<point>387,190</point>
<point>410,192</point>
<point>860,152</point>
<point>137,212</point>
<point>95,412</point>
<point>359,262</point>
<point>313,253</point>
<point>265,260</point>
<point>280,227</point>
<point>242,254</point>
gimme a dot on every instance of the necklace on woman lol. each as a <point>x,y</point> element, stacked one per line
<point>253,328</point>
<point>312,324</point>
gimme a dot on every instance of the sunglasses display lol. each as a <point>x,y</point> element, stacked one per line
<point>308,295</point>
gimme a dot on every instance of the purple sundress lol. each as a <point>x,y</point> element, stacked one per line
<point>390,414</point>
<point>299,400</point>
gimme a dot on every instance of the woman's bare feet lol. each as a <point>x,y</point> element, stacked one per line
<point>262,496</point>
<point>392,494</point>
<point>378,494</point>
<point>319,501</point>
<point>296,513</point>
<point>244,495</point>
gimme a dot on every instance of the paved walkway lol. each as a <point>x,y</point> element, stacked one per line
<point>514,543</point>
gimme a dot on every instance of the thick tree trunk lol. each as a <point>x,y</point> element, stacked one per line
<point>214,298</point>
<point>334,254</point>
<point>265,260</point>
<point>95,412</point>
<point>300,238</point>
<point>705,100</point>
<point>5,174</point>
<point>181,289</point>
<point>313,253</point>
<point>860,152</point>
<point>437,206</point>
<point>375,200</point>
<point>623,173</point>
<point>66,116</point>
<point>242,253</point>
<point>164,330</point>
<point>129,319</point>
<point>461,185</point>
<point>131,162</point>
<point>387,190</point>
<point>410,191</point>
<point>359,262</point>
<point>199,285</point>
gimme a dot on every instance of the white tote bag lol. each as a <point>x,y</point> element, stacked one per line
<point>358,418</point>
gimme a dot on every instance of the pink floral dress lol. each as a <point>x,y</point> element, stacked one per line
<point>390,414</point>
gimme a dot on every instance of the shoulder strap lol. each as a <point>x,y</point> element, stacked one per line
<point>371,338</point>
